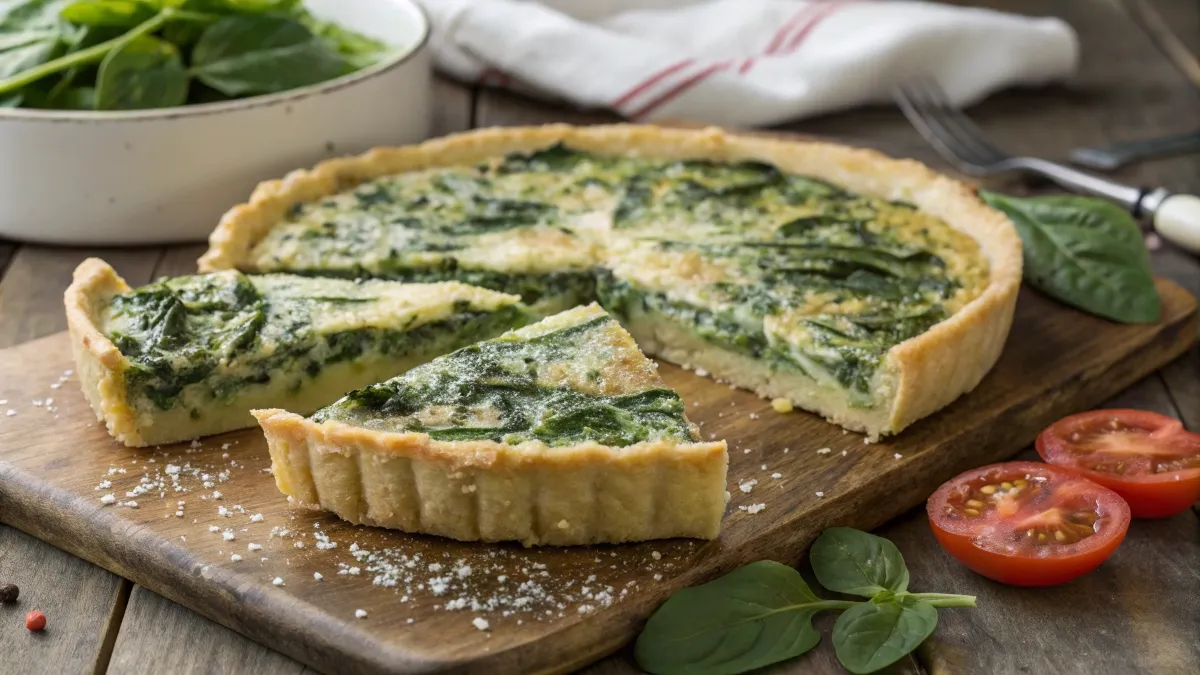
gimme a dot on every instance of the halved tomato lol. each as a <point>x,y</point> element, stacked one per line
<point>1147,458</point>
<point>1027,523</point>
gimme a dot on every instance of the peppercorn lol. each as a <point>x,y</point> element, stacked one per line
<point>9,593</point>
<point>35,621</point>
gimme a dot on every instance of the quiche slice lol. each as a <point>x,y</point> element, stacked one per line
<point>869,290</point>
<point>190,356</point>
<point>560,432</point>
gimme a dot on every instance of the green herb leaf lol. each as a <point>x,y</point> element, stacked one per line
<point>114,13</point>
<point>361,51</point>
<point>1085,252</point>
<point>856,562</point>
<point>752,617</point>
<point>144,73</point>
<point>871,635</point>
<point>241,55</point>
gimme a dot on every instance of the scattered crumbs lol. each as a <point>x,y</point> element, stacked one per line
<point>866,441</point>
<point>782,405</point>
<point>318,576</point>
<point>253,547</point>
<point>658,577</point>
<point>12,413</point>
<point>410,620</point>
<point>3,401</point>
<point>463,572</point>
<point>172,469</point>
<point>824,451</point>
<point>480,623</point>
<point>656,555</point>
<point>845,431</point>
<point>213,528</point>
<point>227,535</point>
<point>776,475</point>
<point>820,494</point>
<point>763,467</point>
<point>747,485</point>
<point>225,446</point>
<point>107,499</point>
<point>753,508</point>
<point>701,372</point>
<point>753,416</point>
<point>360,613</point>
<point>131,504</point>
<point>182,538</point>
<point>843,453</point>
<point>235,557</point>
<point>748,450</point>
<point>695,404</point>
<point>435,567</point>
<point>217,494</point>
<point>278,581</point>
<point>786,450</point>
<point>223,512</point>
<point>897,455</point>
<point>104,485</point>
<point>256,518</point>
<point>298,544</point>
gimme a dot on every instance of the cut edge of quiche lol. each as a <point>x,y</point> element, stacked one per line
<point>916,378</point>
<point>102,366</point>
<point>513,489</point>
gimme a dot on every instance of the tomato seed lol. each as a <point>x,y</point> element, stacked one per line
<point>988,489</point>
<point>1059,536</point>
<point>35,621</point>
<point>975,503</point>
<point>1041,536</point>
<point>971,512</point>
<point>1006,485</point>
<point>1020,482</point>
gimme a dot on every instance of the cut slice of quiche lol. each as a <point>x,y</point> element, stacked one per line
<point>866,289</point>
<point>190,356</point>
<point>560,432</point>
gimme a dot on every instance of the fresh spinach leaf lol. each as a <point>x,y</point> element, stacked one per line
<point>38,49</point>
<point>144,73</point>
<point>1085,252</point>
<point>752,617</point>
<point>361,51</point>
<point>241,55</point>
<point>113,13</point>
<point>855,562</point>
<point>873,635</point>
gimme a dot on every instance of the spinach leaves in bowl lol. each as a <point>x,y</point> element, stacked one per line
<point>138,54</point>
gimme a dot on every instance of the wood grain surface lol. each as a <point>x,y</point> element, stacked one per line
<point>1125,89</point>
<point>183,511</point>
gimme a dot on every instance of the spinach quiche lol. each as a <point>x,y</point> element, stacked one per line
<point>190,356</point>
<point>560,432</point>
<point>866,289</point>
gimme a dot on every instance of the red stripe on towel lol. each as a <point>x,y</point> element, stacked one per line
<point>786,28</point>
<point>651,81</point>
<point>680,88</point>
<point>823,13</point>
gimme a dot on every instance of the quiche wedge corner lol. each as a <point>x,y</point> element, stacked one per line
<point>866,289</point>
<point>557,433</point>
<point>189,356</point>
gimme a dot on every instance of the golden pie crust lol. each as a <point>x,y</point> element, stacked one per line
<point>493,491</point>
<point>919,376</point>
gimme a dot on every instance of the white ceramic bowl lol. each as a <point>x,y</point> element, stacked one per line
<point>167,175</point>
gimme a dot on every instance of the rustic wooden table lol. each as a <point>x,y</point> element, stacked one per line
<point>1138,614</point>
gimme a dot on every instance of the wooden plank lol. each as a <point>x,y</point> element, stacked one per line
<point>47,486</point>
<point>159,636</point>
<point>1123,618</point>
<point>77,597</point>
<point>7,251</point>
<point>83,602</point>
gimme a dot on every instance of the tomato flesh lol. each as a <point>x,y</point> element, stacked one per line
<point>1026,523</point>
<point>1147,458</point>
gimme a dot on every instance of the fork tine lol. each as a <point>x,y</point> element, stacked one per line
<point>948,130</point>
<point>920,113</point>
<point>958,123</point>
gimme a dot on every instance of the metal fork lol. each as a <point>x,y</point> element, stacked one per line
<point>957,139</point>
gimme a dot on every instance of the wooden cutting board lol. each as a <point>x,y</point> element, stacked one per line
<point>546,610</point>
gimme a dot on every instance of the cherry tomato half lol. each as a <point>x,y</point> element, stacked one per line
<point>1147,458</point>
<point>1027,523</point>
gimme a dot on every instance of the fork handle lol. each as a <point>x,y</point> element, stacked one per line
<point>1177,219</point>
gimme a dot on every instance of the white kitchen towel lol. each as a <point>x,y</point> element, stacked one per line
<point>742,63</point>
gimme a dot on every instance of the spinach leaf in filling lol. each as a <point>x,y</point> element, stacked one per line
<point>507,391</point>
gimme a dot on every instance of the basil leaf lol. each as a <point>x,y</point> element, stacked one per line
<point>143,73</point>
<point>114,13</point>
<point>752,617</point>
<point>871,636</point>
<point>1085,252</point>
<point>241,55</point>
<point>856,562</point>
